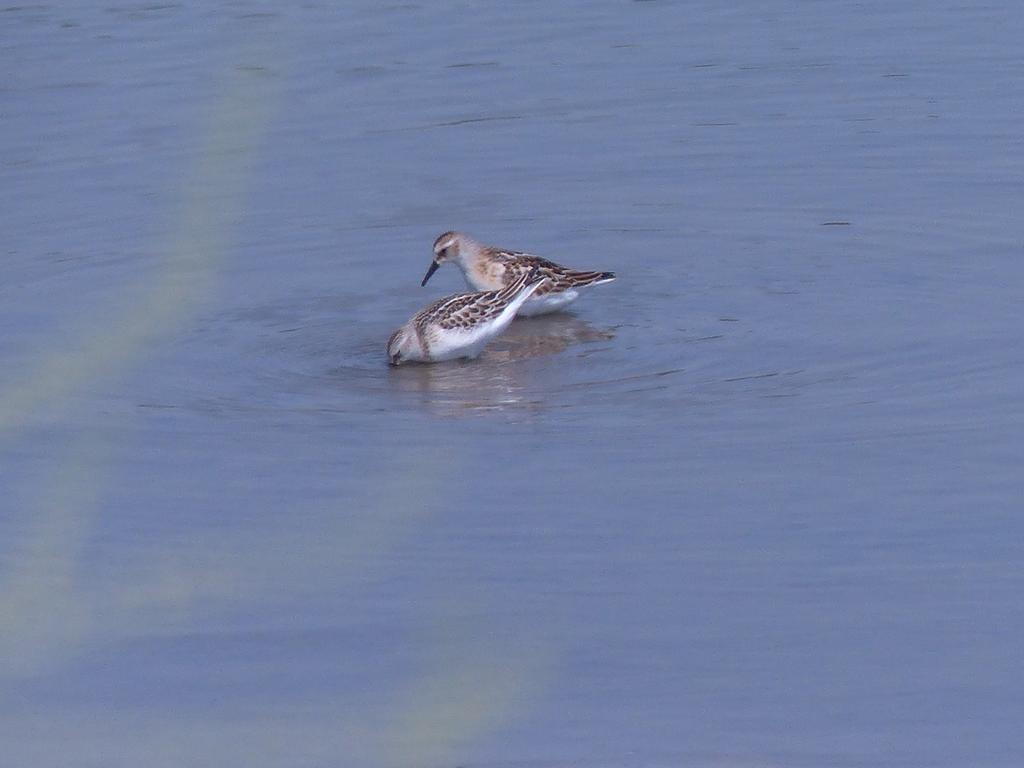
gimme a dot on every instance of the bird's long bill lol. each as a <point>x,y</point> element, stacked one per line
<point>430,270</point>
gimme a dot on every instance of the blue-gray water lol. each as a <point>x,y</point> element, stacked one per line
<point>756,503</point>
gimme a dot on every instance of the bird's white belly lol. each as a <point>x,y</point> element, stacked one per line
<point>549,302</point>
<point>456,344</point>
<point>453,343</point>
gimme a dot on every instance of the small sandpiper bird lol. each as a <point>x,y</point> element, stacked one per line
<point>487,268</point>
<point>460,325</point>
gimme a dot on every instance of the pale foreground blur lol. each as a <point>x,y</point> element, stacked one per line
<point>53,610</point>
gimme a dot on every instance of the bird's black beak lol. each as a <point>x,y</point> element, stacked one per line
<point>430,270</point>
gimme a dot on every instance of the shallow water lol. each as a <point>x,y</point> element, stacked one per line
<point>756,503</point>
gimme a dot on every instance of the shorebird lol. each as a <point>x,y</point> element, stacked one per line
<point>460,325</point>
<point>487,268</point>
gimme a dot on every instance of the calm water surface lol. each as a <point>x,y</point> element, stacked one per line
<point>756,503</point>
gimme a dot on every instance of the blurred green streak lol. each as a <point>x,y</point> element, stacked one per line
<point>49,613</point>
<point>213,203</point>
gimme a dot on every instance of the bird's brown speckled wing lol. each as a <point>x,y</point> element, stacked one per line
<point>559,278</point>
<point>464,310</point>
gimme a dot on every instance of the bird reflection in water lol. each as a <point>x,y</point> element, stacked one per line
<point>493,381</point>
